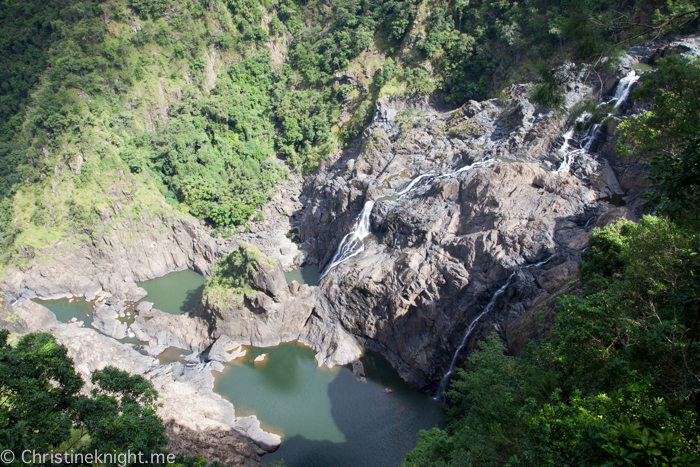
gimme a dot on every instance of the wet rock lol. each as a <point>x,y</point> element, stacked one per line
<point>265,442</point>
<point>358,370</point>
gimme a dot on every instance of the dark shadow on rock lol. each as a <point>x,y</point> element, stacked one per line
<point>310,274</point>
<point>227,447</point>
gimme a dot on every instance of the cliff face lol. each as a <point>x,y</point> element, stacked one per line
<point>438,253</point>
<point>419,226</point>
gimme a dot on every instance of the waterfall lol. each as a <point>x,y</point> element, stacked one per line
<point>568,157</point>
<point>624,87</point>
<point>622,93</point>
<point>414,183</point>
<point>475,165</point>
<point>590,136</point>
<point>446,379</point>
<point>352,244</point>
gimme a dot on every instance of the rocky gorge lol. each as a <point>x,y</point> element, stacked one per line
<point>467,210</point>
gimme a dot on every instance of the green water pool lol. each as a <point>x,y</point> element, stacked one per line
<point>65,309</point>
<point>175,293</point>
<point>307,274</point>
<point>327,417</point>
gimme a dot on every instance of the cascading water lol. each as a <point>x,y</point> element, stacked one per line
<point>624,87</point>
<point>622,93</point>
<point>352,244</point>
<point>568,157</point>
<point>414,183</point>
<point>446,379</point>
<point>475,165</point>
<point>590,136</point>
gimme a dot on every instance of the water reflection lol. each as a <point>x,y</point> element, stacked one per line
<point>326,416</point>
<point>176,293</point>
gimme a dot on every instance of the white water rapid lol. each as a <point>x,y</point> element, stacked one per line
<point>413,183</point>
<point>622,93</point>
<point>352,244</point>
<point>568,156</point>
<point>624,87</point>
<point>475,165</point>
<point>446,379</point>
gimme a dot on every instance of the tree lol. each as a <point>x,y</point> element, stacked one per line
<point>674,117</point>
<point>668,137</point>
<point>42,408</point>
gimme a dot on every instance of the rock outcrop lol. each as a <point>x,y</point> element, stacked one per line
<point>439,251</point>
<point>462,202</point>
<point>271,312</point>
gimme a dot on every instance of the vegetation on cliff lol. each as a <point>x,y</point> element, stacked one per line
<point>616,382</point>
<point>134,105</point>
<point>231,277</point>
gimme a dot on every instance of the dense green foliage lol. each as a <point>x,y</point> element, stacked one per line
<point>215,154</point>
<point>42,409</point>
<point>182,98</point>
<point>615,383</point>
<point>232,276</point>
<point>476,47</point>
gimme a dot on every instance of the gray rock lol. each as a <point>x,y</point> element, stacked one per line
<point>144,306</point>
<point>196,419</point>
<point>9,319</point>
<point>250,426</point>
<point>225,349</point>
